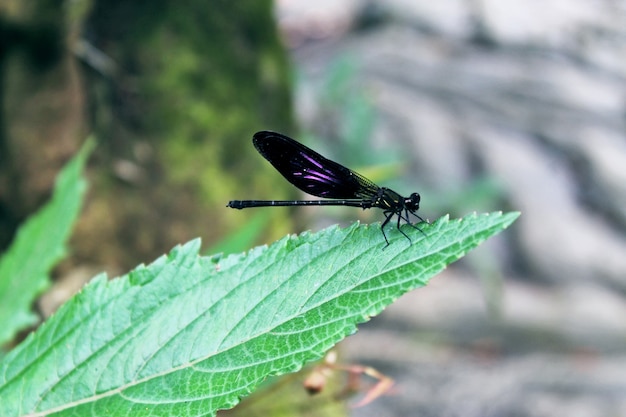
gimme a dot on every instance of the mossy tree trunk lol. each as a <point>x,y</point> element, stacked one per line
<point>173,92</point>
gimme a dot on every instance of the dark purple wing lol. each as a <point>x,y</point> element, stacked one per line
<point>310,171</point>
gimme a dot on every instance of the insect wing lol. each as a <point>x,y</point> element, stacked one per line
<point>310,171</point>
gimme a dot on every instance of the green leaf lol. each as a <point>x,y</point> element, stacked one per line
<point>38,245</point>
<point>189,335</point>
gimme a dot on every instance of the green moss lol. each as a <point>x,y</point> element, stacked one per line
<point>195,80</point>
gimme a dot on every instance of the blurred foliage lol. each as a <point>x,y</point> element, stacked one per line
<point>342,130</point>
<point>348,116</point>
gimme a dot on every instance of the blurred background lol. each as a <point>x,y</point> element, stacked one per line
<point>477,105</point>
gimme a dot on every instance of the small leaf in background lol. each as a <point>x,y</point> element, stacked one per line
<point>38,245</point>
<point>189,335</point>
<point>248,232</point>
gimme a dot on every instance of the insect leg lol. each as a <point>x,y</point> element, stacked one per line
<point>389,214</point>
<point>398,226</point>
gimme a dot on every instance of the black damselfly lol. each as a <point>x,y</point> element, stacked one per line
<point>321,177</point>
